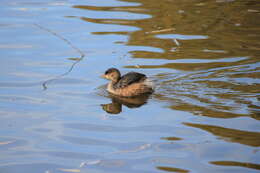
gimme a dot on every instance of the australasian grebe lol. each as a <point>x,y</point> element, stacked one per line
<point>129,85</point>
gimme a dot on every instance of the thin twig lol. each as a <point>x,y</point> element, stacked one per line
<point>160,31</point>
<point>82,55</point>
<point>176,42</point>
<point>62,38</point>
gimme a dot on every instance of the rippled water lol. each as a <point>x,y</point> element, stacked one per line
<point>203,56</point>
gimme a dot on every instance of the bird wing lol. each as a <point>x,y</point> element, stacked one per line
<point>130,78</point>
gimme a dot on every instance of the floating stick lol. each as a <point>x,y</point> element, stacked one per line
<point>82,55</point>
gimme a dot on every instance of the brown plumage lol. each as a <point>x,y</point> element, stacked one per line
<point>128,85</point>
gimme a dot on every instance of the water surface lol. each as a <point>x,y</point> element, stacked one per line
<point>203,56</point>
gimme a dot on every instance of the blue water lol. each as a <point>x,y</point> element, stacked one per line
<point>56,115</point>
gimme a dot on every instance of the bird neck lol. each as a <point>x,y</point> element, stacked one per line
<point>114,81</point>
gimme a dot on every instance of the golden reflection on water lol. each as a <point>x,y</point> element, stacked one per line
<point>210,50</point>
<point>189,18</point>
<point>239,164</point>
<point>171,169</point>
<point>204,30</point>
<point>232,135</point>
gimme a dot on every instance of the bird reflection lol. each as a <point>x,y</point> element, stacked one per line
<point>115,107</point>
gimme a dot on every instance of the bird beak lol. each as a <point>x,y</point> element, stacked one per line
<point>103,76</point>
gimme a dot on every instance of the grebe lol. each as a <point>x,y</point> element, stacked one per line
<point>129,85</point>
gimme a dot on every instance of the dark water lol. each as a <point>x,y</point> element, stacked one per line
<point>55,115</point>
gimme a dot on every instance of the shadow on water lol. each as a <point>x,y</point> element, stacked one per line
<point>131,102</point>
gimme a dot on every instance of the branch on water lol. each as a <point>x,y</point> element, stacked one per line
<point>82,55</point>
